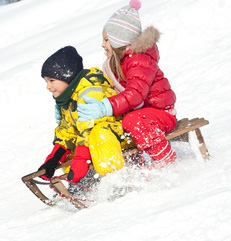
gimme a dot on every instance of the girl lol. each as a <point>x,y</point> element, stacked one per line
<point>145,93</point>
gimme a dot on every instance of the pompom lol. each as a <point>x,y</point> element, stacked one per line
<point>135,4</point>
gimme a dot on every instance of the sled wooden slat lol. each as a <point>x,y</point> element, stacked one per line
<point>186,126</point>
<point>182,129</point>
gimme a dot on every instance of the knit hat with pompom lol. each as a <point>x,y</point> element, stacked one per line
<point>64,64</point>
<point>124,25</point>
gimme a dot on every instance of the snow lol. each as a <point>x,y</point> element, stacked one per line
<point>190,201</point>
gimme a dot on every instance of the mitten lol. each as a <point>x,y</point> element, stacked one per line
<point>79,164</point>
<point>94,109</point>
<point>58,155</point>
<point>58,115</point>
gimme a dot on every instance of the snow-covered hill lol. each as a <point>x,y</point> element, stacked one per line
<point>191,201</point>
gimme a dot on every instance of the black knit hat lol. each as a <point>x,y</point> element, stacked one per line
<point>64,64</point>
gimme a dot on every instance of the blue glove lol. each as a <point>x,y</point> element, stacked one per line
<point>58,116</point>
<point>94,109</point>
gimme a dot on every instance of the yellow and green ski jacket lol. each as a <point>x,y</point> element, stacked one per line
<point>91,82</point>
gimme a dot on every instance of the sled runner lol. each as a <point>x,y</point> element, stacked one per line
<point>31,183</point>
<point>61,190</point>
<point>55,184</point>
<point>181,133</point>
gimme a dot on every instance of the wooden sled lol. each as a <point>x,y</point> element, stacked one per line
<point>181,133</point>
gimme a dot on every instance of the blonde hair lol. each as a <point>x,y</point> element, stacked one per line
<point>115,62</point>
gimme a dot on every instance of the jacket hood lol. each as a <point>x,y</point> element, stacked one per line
<point>146,40</point>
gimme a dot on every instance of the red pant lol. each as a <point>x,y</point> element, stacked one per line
<point>148,127</point>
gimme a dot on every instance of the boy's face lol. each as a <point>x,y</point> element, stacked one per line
<point>55,86</point>
<point>106,45</point>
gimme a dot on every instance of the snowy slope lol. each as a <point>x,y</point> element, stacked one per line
<point>191,201</point>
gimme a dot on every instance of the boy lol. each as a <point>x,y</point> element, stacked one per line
<point>69,83</point>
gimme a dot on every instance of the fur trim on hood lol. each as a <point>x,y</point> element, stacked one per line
<point>145,40</point>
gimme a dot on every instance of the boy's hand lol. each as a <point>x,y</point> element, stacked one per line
<point>94,109</point>
<point>58,155</point>
<point>50,166</point>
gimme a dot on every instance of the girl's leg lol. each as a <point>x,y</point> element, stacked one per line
<point>148,127</point>
<point>106,145</point>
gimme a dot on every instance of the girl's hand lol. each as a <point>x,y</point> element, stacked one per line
<point>58,115</point>
<point>94,109</point>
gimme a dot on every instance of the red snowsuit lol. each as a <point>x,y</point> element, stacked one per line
<point>146,86</point>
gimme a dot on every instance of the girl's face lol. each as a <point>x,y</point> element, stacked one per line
<point>55,86</point>
<point>106,45</point>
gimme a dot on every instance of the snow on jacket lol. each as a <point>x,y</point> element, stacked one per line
<point>71,132</point>
<point>145,82</point>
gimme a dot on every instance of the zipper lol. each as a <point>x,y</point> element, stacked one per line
<point>71,115</point>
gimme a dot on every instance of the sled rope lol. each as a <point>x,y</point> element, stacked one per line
<point>75,183</point>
